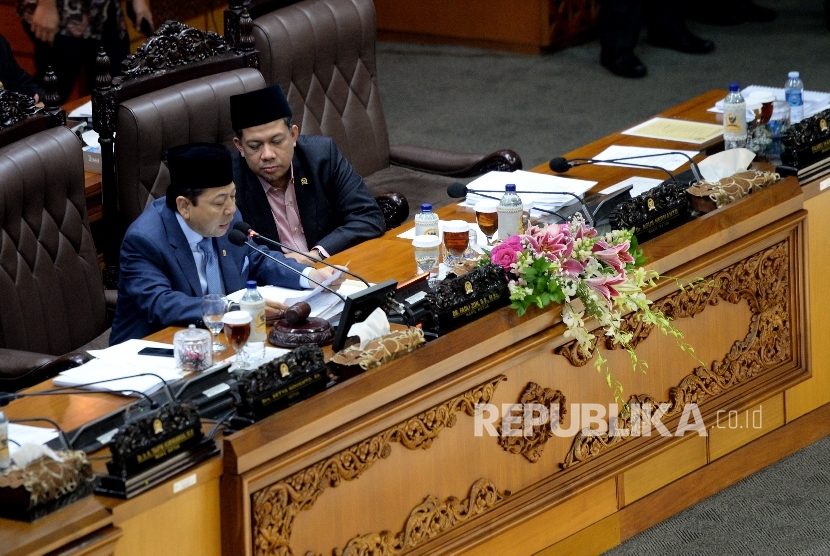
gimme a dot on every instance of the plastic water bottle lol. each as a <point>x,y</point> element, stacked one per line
<point>734,118</point>
<point>794,93</point>
<point>5,460</point>
<point>510,212</point>
<point>426,221</point>
<point>253,303</point>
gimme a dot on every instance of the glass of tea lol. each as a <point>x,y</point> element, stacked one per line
<point>456,240</point>
<point>237,329</point>
<point>487,218</point>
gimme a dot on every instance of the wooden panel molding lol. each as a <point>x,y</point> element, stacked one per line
<point>763,280</point>
<point>532,446</point>
<point>274,508</point>
<point>426,521</point>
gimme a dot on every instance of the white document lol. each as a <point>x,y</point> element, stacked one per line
<point>644,156</point>
<point>119,362</point>
<point>24,434</point>
<point>639,183</point>
<point>83,111</point>
<point>814,101</point>
<point>529,181</point>
<point>288,296</point>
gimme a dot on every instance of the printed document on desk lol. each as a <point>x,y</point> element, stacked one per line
<point>529,181</point>
<point>814,101</point>
<point>119,362</point>
<point>670,162</point>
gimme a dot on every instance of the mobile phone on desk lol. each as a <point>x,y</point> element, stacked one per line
<point>157,352</point>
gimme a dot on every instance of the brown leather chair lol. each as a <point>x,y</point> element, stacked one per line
<point>53,295</point>
<point>322,54</point>
<point>175,89</point>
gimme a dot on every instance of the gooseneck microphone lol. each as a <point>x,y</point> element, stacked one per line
<point>458,190</point>
<point>561,165</point>
<point>246,229</point>
<point>239,238</point>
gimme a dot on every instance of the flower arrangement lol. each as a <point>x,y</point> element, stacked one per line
<point>593,275</point>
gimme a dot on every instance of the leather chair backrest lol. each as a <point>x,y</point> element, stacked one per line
<point>322,54</point>
<point>147,125</point>
<point>52,292</point>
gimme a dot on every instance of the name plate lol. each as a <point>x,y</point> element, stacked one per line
<point>807,146</point>
<point>457,301</point>
<point>654,212</point>
<point>283,381</point>
<point>154,437</point>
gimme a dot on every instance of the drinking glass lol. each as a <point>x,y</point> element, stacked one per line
<point>456,240</point>
<point>237,330</point>
<point>487,218</point>
<point>427,255</point>
<point>213,307</point>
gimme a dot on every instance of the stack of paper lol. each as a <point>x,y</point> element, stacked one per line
<point>24,434</point>
<point>122,362</point>
<point>493,184</point>
<point>814,101</point>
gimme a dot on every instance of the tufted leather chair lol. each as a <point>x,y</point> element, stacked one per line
<point>53,295</point>
<point>196,110</point>
<point>322,54</point>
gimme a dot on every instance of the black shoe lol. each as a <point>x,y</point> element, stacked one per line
<point>624,65</point>
<point>682,41</point>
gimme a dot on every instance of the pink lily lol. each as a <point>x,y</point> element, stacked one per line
<point>616,257</point>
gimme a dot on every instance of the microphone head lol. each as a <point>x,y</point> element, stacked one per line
<point>237,237</point>
<point>243,227</point>
<point>559,164</point>
<point>457,190</point>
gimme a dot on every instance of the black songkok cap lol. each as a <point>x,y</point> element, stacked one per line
<point>258,107</point>
<point>199,166</point>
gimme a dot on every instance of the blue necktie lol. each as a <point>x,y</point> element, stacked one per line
<point>212,273</point>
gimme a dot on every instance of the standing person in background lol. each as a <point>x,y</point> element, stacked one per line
<point>13,77</point>
<point>620,22</point>
<point>68,33</point>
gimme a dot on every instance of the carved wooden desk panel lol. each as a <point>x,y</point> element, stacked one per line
<point>398,467</point>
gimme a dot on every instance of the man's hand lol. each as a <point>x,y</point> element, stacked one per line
<point>142,11</point>
<point>274,309</point>
<point>323,274</point>
<point>38,104</point>
<point>45,21</point>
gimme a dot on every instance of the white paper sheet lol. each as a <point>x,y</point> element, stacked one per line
<point>639,183</point>
<point>529,181</point>
<point>667,161</point>
<point>25,434</point>
<point>83,111</point>
<point>121,361</point>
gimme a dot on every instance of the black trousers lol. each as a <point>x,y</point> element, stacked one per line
<point>620,22</point>
<point>68,55</point>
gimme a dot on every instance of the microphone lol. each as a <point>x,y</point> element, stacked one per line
<point>246,229</point>
<point>239,238</point>
<point>458,190</point>
<point>561,165</point>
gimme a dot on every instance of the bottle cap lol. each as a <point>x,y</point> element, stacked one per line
<point>510,187</point>
<point>426,207</point>
<point>793,75</point>
<point>251,284</point>
<point>734,87</point>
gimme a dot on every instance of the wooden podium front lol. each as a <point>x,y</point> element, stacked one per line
<point>391,461</point>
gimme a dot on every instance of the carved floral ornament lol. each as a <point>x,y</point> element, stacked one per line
<point>15,107</point>
<point>274,508</point>
<point>531,446</point>
<point>763,281</point>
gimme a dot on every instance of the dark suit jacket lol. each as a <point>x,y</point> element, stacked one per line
<point>336,208</point>
<point>158,285</point>
<point>14,78</point>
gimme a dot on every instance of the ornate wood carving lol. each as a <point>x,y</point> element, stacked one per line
<point>15,107</point>
<point>531,446</point>
<point>173,44</point>
<point>426,521</point>
<point>275,507</point>
<point>763,281</point>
